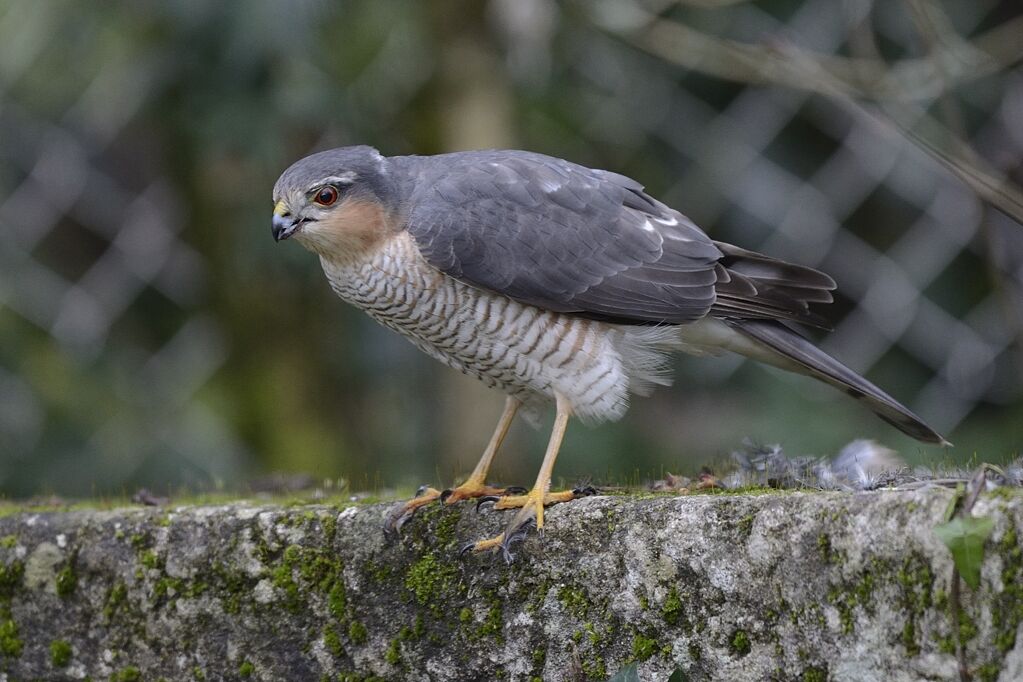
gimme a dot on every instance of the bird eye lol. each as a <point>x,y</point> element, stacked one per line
<point>326,195</point>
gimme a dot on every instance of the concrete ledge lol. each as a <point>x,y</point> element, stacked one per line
<point>786,586</point>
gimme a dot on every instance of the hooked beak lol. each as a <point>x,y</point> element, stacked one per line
<point>284,224</point>
<point>283,227</point>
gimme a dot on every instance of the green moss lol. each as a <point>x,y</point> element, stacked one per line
<point>115,598</point>
<point>672,609</point>
<point>917,581</point>
<point>332,641</point>
<point>379,572</point>
<point>357,632</point>
<point>988,672</point>
<point>10,578</point>
<point>643,647</point>
<point>10,644</point>
<point>246,669</point>
<point>167,586</point>
<point>740,643</point>
<point>418,627</point>
<point>1007,607</point>
<point>429,580</point>
<point>60,653</point>
<point>824,548</point>
<point>864,589</point>
<point>815,674</point>
<point>574,600</point>
<point>1004,492</point>
<point>465,615</point>
<point>493,623</point>
<point>745,525</point>
<point>967,628</point>
<point>393,653</point>
<point>336,599</point>
<point>127,674</point>
<point>539,656</point>
<point>909,638</point>
<point>595,668</point>
<point>445,532</point>
<point>282,577</point>
<point>149,559</point>
<point>9,541</point>
<point>844,604</point>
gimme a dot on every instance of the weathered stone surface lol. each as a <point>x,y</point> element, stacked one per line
<point>731,587</point>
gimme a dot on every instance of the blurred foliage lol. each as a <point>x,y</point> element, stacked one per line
<point>231,356</point>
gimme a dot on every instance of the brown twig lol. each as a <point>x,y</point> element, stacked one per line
<point>904,80</point>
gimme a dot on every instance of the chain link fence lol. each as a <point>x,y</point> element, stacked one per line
<point>138,144</point>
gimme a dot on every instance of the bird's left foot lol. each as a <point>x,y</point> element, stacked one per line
<point>530,506</point>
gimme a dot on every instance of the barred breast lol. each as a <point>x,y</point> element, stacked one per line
<point>522,350</point>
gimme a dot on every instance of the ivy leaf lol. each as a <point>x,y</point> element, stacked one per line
<point>678,676</point>
<point>629,673</point>
<point>965,536</point>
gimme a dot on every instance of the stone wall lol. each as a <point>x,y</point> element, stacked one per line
<point>781,585</point>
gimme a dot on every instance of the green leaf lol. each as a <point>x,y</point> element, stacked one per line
<point>965,536</point>
<point>950,510</point>
<point>629,673</point>
<point>678,676</point>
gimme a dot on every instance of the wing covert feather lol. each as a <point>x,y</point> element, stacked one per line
<point>560,236</point>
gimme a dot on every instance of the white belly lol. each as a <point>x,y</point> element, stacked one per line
<point>519,349</point>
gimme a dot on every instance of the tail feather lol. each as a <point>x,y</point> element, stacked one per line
<point>793,348</point>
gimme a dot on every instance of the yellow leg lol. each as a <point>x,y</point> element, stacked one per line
<point>532,503</point>
<point>475,485</point>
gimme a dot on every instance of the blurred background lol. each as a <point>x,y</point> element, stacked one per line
<point>153,334</point>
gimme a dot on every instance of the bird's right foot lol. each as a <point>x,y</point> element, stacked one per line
<point>472,489</point>
<point>404,512</point>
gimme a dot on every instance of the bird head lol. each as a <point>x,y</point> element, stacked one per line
<point>337,203</point>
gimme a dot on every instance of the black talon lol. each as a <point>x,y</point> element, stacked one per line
<point>445,494</point>
<point>486,499</point>
<point>393,524</point>
<point>403,519</point>
<point>584,491</point>
<point>515,490</point>
<point>421,490</point>
<point>515,537</point>
<point>466,548</point>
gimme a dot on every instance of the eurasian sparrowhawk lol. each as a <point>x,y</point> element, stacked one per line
<point>554,283</point>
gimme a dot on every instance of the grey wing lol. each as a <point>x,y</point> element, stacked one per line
<point>562,237</point>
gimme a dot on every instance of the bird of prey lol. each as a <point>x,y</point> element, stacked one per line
<point>556,284</point>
